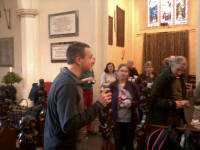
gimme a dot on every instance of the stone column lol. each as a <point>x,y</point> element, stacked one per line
<point>28,12</point>
<point>99,17</point>
<point>198,47</point>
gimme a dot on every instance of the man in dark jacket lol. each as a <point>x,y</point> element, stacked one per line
<point>168,95</point>
<point>65,117</point>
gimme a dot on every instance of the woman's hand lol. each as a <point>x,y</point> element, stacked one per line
<point>128,103</point>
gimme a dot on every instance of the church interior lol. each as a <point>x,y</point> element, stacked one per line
<point>34,36</point>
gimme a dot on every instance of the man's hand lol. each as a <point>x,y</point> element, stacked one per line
<point>186,103</point>
<point>182,103</point>
<point>179,104</point>
<point>106,97</point>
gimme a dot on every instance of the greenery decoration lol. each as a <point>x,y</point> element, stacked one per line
<point>11,78</point>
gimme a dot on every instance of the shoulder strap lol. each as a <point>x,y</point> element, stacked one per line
<point>149,137</point>
<point>160,140</point>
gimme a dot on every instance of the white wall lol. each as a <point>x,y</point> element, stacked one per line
<point>49,70</point>
<point>14,32</point>
<point>92,30</point>
<point>92,18</point>
<point>115,52</point>
<point>198,47</point>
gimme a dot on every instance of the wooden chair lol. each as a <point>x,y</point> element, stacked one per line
<point>189,89</point>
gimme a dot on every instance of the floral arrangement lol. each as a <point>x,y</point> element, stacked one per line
<point>11,78</point>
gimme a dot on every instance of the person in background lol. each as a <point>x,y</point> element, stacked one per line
<point>167,61</point>
<point>88,80</point>
<point>147,78</point>
<point>168,95</point>
<point>35,92</point>
<point>108,76</point>
<point>125,98</point>
<point>132,70</point>
<point>33,95</point>
<point>65,117</point>
<point>145,82</point>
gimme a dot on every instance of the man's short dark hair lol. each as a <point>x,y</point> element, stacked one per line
<point>76,49</point>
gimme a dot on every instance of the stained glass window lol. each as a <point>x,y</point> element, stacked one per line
<point>180,11</point>
<point>153,13</point>
<point>167,11</point>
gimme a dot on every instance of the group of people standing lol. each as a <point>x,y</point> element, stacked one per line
<point>128,90</point>
<point>124,89</point>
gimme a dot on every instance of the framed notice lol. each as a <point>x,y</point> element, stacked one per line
<point>6,52</point>
<point>58,51</point>
<point>63,24</point>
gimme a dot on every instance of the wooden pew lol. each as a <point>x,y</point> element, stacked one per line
<point>7,137</point>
